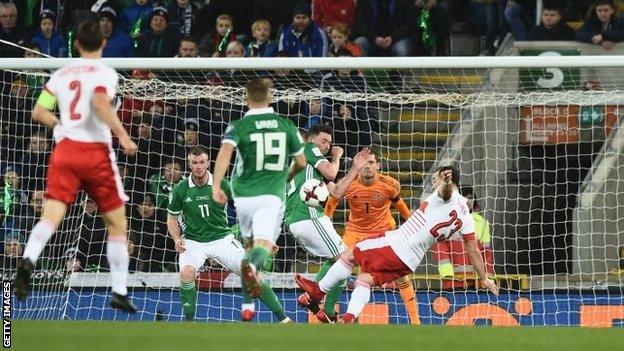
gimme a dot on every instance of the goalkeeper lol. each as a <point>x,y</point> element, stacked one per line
<point>207,236</point>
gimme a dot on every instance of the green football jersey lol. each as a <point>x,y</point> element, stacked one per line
<point>201,218</point>
<point>265,142</point>
<point>297,210</point>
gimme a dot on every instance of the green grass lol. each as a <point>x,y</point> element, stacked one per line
<point>133,336</point>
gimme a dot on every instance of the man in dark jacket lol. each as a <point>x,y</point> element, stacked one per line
<point>184,14</point>
<point>161,39</point>
<point>383,27</point>
<point>303,38</point>
<point>118,43</point>
<point>602,27</point>
<point>551,26</point>
<point>10,31</point>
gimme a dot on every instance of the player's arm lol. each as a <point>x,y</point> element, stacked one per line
<point>329,170</point>
<point>399,203</point>
<point>174,230</point>
<point>41,112</point>
<point>338,191</point>
<point>472,248</point>
<point>446,189</point>
<point>221,166</point>
<point>101,104</point>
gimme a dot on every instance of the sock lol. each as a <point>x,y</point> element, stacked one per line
<point>117,254</point>
<point>268,297</point>
<point>323,270</point>
<point>409,299</point>
<point>331,297</point>
<point>188,297</point>
<point>257,256</point>
<point>39,236</point>
<point>359,298</point>
<point>340,270</point>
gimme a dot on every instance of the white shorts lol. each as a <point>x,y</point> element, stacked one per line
<point>227,251</point>
<point>260,217</point>
<point>318,237</point>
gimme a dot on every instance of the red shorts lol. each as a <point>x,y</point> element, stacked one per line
<point>78,165</point>
<point>376,257</point>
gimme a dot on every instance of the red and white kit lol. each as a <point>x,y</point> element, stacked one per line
<point>83,157</point>
<point>400,251</point>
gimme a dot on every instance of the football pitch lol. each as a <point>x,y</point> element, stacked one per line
<point>134,336</point>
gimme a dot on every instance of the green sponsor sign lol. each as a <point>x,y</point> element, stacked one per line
<point>550,79</point>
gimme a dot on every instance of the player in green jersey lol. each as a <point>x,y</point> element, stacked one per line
<point>264,142</point>
<point>203,223</point>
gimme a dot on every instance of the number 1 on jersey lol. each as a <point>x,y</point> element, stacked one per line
<point>74,85</point>
<point>204,209</point>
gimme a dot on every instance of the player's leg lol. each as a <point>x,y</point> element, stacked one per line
<point>338,272</point>
<point>408,295</point>
<point>189,261</point>
<point>230,253</point>
<point>359,297</point>
<point>62,185</point>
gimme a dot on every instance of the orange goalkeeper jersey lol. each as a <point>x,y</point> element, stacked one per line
<point>370,205</point>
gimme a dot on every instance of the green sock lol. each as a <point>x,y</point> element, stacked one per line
<point>267,295</point>
<point>331,297</point>
<point>323,270</point>
<point>257,256</point>
<point>188,296</point>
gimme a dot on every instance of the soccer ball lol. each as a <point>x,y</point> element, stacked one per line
<point>314,193</point>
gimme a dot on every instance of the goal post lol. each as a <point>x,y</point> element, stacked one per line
<point>544,162</point>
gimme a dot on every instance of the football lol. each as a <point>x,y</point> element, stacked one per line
<point>314,193</point>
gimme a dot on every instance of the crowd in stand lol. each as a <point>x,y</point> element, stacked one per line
<point>165,129</point>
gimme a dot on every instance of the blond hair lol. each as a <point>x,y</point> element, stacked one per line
<point>257,24</point>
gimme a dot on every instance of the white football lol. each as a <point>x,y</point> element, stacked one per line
<point>314,193</point>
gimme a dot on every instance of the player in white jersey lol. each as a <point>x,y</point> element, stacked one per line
<point>83,158</point>
<point>399,252</point>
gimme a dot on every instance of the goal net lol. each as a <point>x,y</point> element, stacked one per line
<point>538,148</point>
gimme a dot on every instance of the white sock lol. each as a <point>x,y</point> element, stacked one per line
<point>338,272</point>
<point>359,298</point>
<point>118,260</point>
<point>39,236</point>
<point>248,306</point>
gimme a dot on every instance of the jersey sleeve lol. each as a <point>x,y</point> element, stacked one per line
<point>295,141</point>
<point>468,227</point>
<point>394,189</point>
<point>230,136</point>
<point>313,155</point>
<point>51,85</point>
<point>108,84</point>
<point>175,201</point>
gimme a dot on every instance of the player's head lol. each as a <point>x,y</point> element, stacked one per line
<point>89,38</point>
<point>258,93</point>
<point>321,135</point>
<point>437,178</point>
<point>371,167</point>
<point>199,161</point>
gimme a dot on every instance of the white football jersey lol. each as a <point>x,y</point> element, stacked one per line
<point>74,87</point>
<point>435,220</point>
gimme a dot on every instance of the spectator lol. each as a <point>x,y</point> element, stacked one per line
<point>261,46</point>
<point>161,184</point>
<point>517,14</point>
<point>188,47</point>
<point>215,43</point>
<point>329,12</point>
<point>189,136</point>
<point>551,26</point>
<point>18,198</point>
<point>344,80</point>
<point>118,43</point>
<point>10,31</point>
<point>601,26</point>
<point>32,213</point>
<point>134,19</point>
<point>352,126</point>
<point>184,14</point>
<point>302,38</point>
<point>442,19</point>
<point>12,251</point>
<point>161,39</point>
<point>383,27</point>
<point>35,161</point>
<point>29,11</point>
<point>92,239</point>
<point>20,7</point>
<point>48,39</point>
<point>494,28</point>
<point>75,12</point>
<point>16,108</point>
<point>277,12</point>
<point>339,35</point>
<point>148,228</point>
<point>235,49</point>
<point>34,52</point>
<point>239,11</point>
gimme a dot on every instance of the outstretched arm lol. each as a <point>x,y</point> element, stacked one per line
<point>446,190</point>
<point>359,161</point>
<point>472,248</point>
<point>221,166</point>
